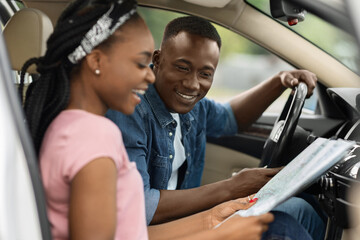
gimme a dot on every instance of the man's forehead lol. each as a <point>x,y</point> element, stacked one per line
<point>198,57</point>
<point>185,37</point>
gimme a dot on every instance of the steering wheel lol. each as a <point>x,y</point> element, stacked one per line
<point>283,131</point>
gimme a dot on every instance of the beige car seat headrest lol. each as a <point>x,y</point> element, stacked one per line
<point>25,35</point>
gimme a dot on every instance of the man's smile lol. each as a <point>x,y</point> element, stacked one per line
<point>185,96</point>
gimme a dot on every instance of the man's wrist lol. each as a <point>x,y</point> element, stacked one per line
<point>232,189</point>
<point>276,81</point>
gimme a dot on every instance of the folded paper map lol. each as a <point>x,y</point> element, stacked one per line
<point>299,174</point>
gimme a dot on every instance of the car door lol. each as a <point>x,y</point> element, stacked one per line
<point>22,201</point>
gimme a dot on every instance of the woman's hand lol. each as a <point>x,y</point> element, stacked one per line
<point>244,228</point>
<point>222,211</point>
<point>201,225</point>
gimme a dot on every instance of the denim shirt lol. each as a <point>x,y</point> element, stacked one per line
<point>148,136</point>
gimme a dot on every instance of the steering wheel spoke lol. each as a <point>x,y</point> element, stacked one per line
<point>283,130</point>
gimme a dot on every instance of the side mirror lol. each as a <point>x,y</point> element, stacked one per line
<point>287,12</point>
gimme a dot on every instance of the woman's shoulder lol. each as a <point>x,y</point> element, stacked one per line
<point>80,120</point>
<point>72,126</point>
<point>77,137</point>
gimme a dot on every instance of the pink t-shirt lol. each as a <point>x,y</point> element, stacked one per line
<point>74,139</point>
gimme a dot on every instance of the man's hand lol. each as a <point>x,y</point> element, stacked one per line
<point>250,180</point>
<point>249,105</point>
<point>290,79</point>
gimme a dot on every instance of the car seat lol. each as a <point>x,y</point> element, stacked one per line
<point>25,35</point>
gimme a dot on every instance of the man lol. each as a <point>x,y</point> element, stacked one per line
<point>166,135</point>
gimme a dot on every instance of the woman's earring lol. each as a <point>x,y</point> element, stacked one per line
<point>97,71</point>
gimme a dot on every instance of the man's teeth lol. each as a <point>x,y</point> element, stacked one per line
<point>186,96</point>
<point>138,91</point>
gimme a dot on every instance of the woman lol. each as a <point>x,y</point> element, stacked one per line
<point>98,58</point>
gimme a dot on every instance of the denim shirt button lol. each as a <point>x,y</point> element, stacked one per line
<point>188,154</point>
<point>170,134</point>
<point>171,156</point>
<point>187,172</point>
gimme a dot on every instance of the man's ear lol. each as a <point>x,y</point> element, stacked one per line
<point>156,58</point>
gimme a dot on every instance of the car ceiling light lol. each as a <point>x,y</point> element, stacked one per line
<point>209,3</point>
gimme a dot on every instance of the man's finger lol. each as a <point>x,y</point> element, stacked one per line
<point>294,82</point>
<point>272,171</point>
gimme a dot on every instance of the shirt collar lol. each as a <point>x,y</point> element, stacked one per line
<point>158,106</point>
<point>161,113</point>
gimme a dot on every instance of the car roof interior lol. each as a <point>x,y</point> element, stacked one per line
<point>243,19</point>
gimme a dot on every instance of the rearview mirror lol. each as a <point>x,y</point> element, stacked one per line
<point>287,12</point>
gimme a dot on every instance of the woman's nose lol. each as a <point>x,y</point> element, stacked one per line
<point>150,77</point>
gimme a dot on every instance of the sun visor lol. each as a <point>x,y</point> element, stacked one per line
<point>209,3</point>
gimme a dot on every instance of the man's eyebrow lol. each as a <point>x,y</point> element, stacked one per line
<point>184,61</point>
<point>206,67</point>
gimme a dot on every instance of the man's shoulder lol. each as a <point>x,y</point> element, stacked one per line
<point>200,110</point>
<point>208,109</point>
<point>206,104</point>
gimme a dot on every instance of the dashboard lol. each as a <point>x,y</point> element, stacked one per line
<point>336,184</point>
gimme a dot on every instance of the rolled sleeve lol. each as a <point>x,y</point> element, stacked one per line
<point>152,197</point>
<point>231,126</point>
<point>220,119</point>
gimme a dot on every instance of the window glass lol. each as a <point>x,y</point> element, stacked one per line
<point>242,63</point>
<point>7,9</point>
<point>331,39</point>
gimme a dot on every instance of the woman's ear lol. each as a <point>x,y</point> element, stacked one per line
<point>93,61</point>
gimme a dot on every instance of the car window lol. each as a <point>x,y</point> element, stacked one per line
<point>7,9</point>
<point>331,39</point>
<point>242,65</point>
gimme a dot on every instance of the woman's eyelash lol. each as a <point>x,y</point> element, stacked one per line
<point>141,65</point>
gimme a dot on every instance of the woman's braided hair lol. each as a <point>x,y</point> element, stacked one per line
<point>48,95</point>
